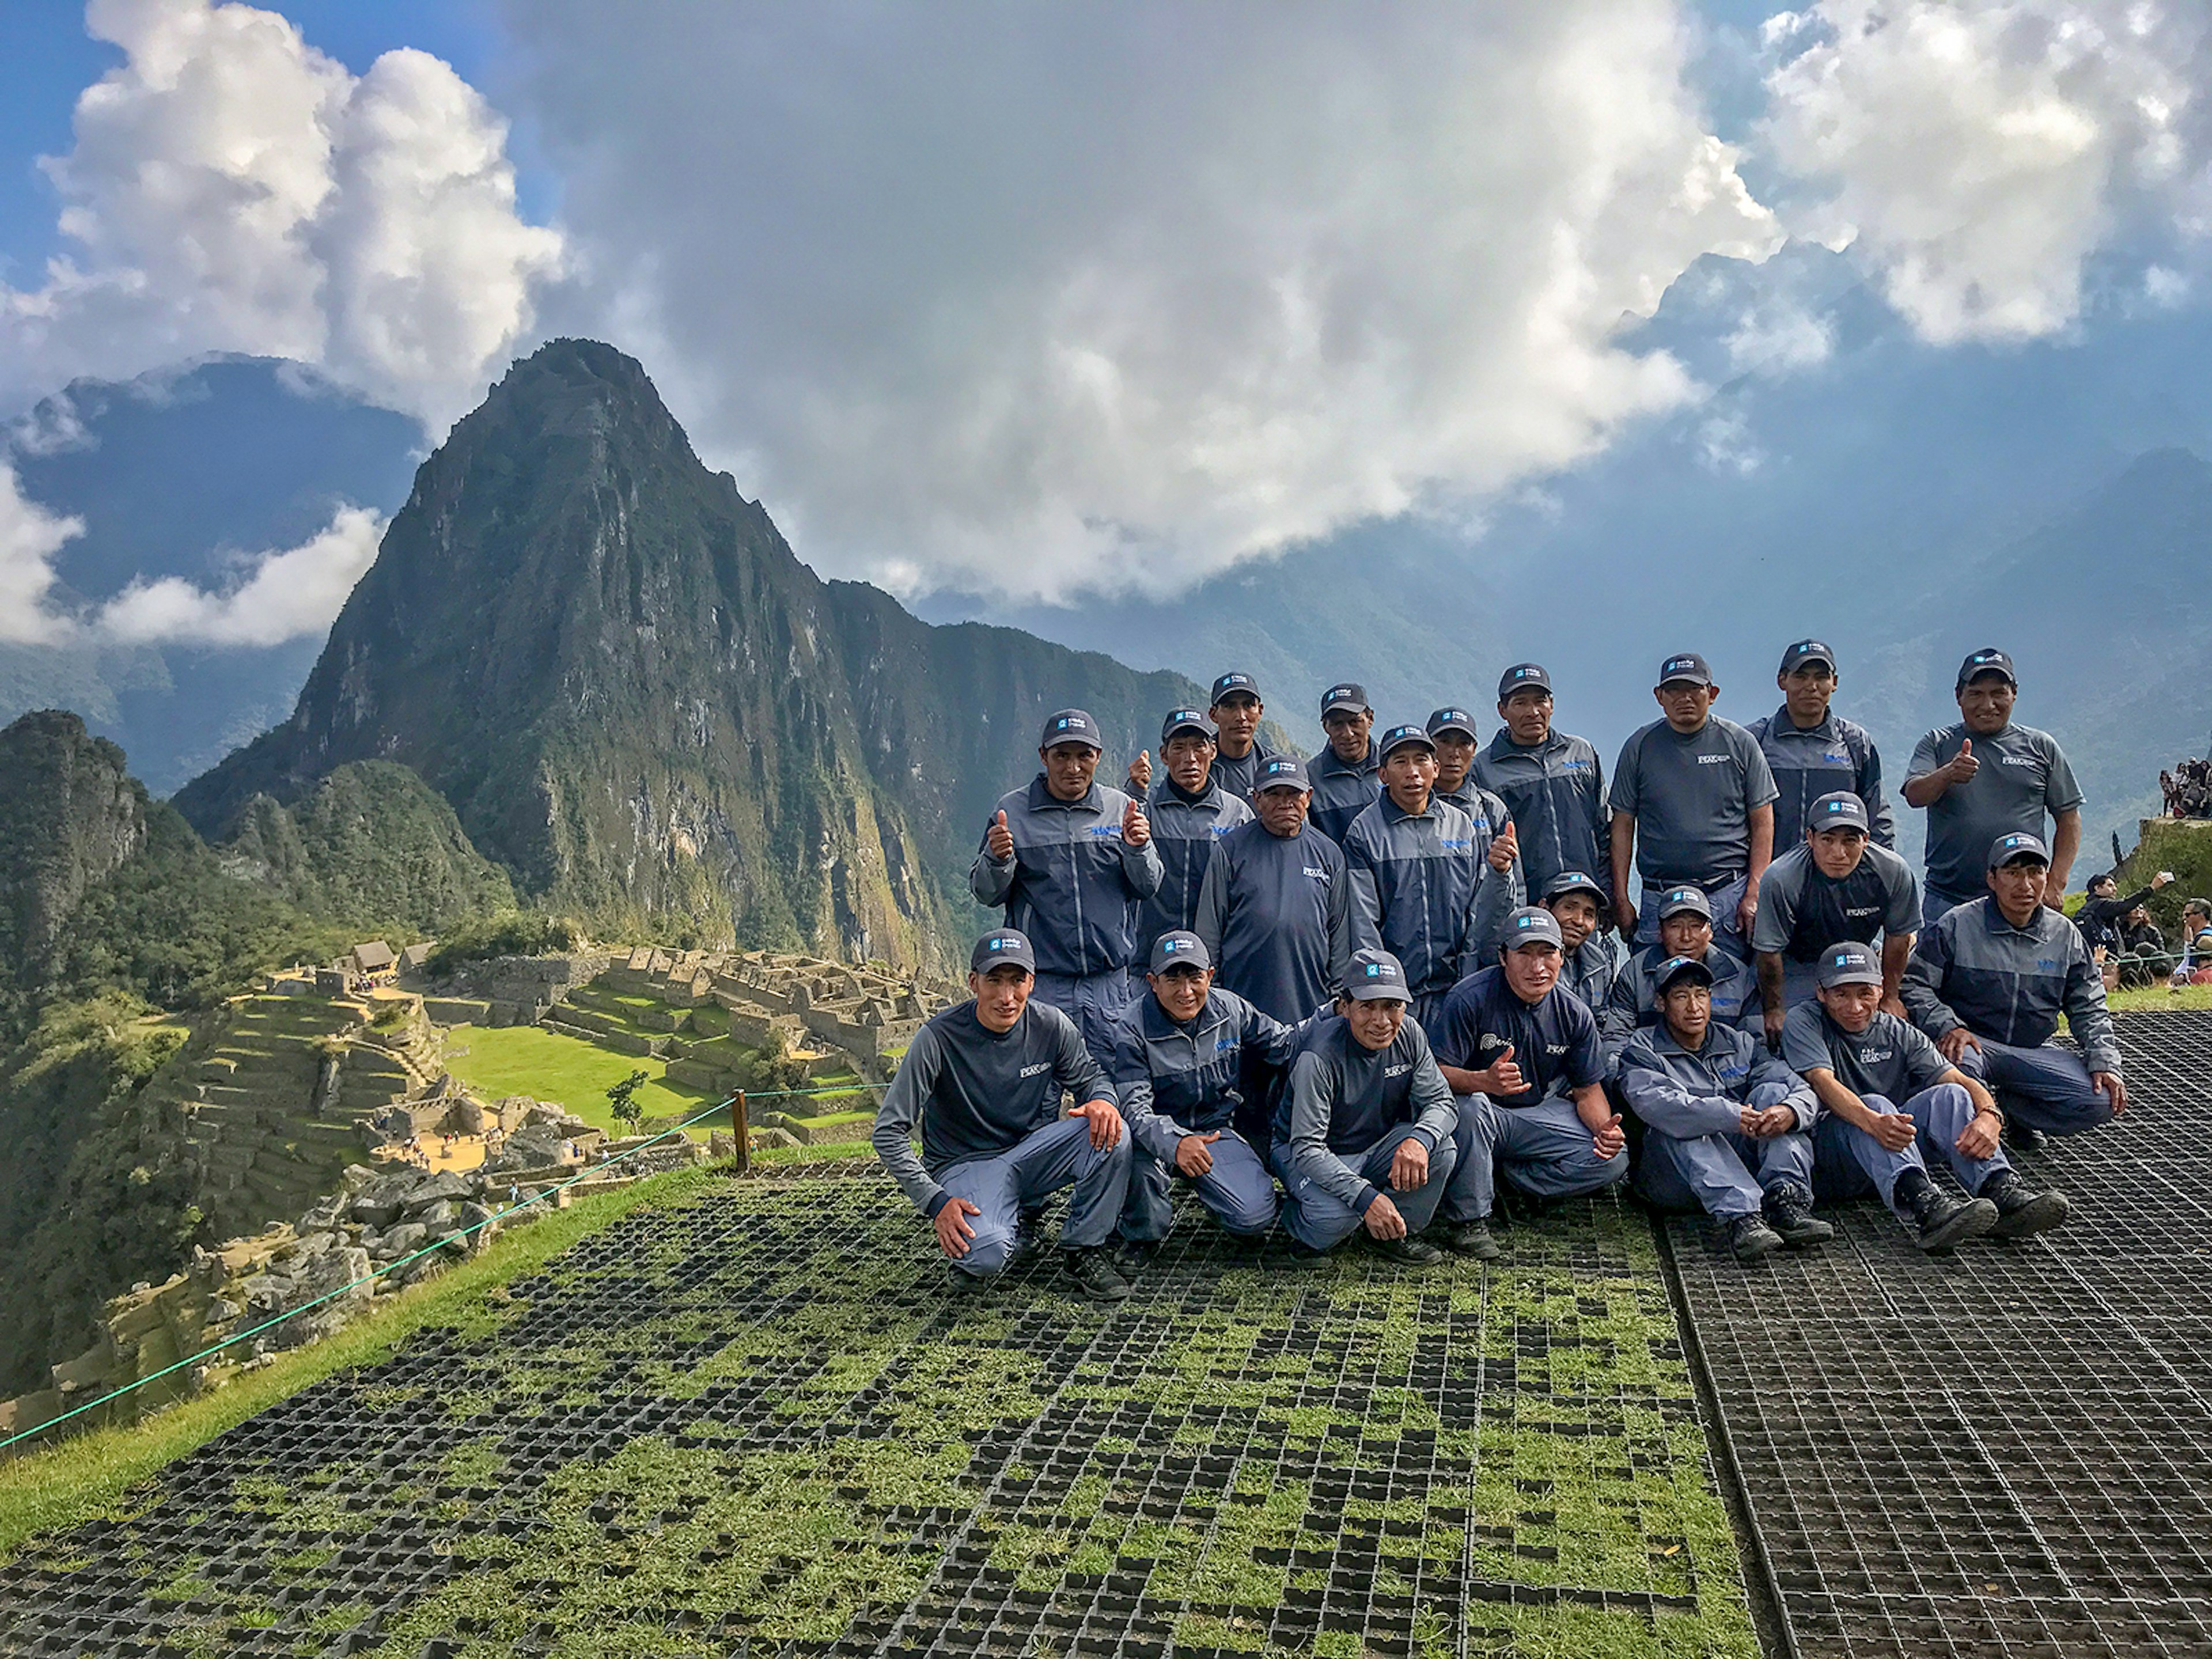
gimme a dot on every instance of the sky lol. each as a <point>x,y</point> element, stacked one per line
<point>1033,302</point>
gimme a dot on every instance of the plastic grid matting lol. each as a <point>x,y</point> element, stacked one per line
<point>762,1423</point>
<point>2007,1449</point>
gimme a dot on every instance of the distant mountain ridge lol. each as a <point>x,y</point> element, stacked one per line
<point>644,706</point>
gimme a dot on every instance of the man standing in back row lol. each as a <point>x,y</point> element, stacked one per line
<point>1346,775</point>
<point>1986,777</point>
<point>1190,811</point>
<point>1275,910</point>
<point>1813,751</point>
<point>1551,784</point>
<point>1072,861</point>
<point>1237,749</point>
<point>1693,797</point>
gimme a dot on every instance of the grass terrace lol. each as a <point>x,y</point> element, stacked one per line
<point>527,1060</point>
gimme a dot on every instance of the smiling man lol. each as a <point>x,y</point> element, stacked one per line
<point>1989,982</point>
<point>982,1083</point>
<point>1985,777</point>
<point>1190,811</point>
<point>1550,783</point>
<point>1345,781</point>
<point>1363,1133</point>
<point>1813,751</point>
<point>1275,910</point>
<point>1685,929</point>
<point>1694,799</point>
<point>1834,887</point>
<point>1071,860</point>
<point>1595,956</point>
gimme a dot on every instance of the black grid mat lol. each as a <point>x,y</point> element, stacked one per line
<point>2008,1449</point>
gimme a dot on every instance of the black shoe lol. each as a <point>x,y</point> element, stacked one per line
<point>1945,1221</point>
<point>1409,1251</point>
<point>1789,1213</point>
<point>1472,1238</point>
<point>1094,1275</point>
<point>1133,1257</point>
<point>1751,1238</point>
<point>2021,1209</point>
<point>2022,1138</point>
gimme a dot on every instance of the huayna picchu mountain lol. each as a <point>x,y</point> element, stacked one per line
<point>640,701</point>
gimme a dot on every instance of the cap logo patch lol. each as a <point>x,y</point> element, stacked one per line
<point>1674,662</point>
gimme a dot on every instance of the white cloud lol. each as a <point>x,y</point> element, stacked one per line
<point>1974,154</point>
<point>1780,337</point>
<point>30,535</point>
<point>232,189</point>
<point>1040,298</point>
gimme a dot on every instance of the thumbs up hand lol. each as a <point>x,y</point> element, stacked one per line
<point>1963,765</point>
<point>1504,848</point>
<point>1000,839</point>
<point>1502,1076</point>
<point>1136,827</point>
<point>1140,772</point>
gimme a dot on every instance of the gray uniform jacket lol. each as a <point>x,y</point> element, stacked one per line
<point>1834,758</point>
<point>1802,912</point>
<point>1176,1079</point>
<point>1342,790</point>
<point>1345,1097</point>
<point>1491,817</point>
<point>1184,831</point>
<point>1236,777</point>
<point>1275,913</point>
<point>2011,984</point>
<point>1073,884</point>
<point>1634,1006</point>
<point>1421,892</point>
<point>1592,967</point>
<point>1554,793</point>
<point>2023,776</point>
<point>1684,1095</point>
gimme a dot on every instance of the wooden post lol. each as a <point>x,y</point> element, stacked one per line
<point>745,1152</point>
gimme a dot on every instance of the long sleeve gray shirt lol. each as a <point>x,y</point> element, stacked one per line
<point>1344,1097</point>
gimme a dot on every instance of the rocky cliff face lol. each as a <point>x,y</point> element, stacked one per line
<point>639,702</point>
<point>70,814</point>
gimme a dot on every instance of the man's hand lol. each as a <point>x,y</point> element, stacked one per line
<point>1894,1005</point>
<point>1383,1219</point>
<point>2054,892</point>
<point>2108,1083</point>
<point>1000,842</point>
<point>1747,910</point>
<point>1194,1153</point>
<point>1953,1044</point>
<point>1624,916</point>
<point>1504,848</point>
<point>954,1235</point>
<point>1105,1121</point>
<point>1894,1131</point>
<point>1409,1166</point>
<point>1772,1018</point>
<point>1765,1124</point>
<point>1609,1137</point>
<point>1501,1076</point>
<point>1140,772</point>
<point>1961,766</point>
<point>1136,827</point>
<point>1978,1139</point>
<point>2161,879</point>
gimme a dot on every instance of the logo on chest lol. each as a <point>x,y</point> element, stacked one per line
<point>1318,875</point>
<point>1876,1056</point>
<point>1037,1069</point>
<point>1105,832</point>
<point>1713,760</point>
<point>1490,1040</point>
<point>1399,1070</point>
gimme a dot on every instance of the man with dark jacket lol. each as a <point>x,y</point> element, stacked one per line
<point>1345,774</point>
<point>1813,751</point>
<point>2098,918</point>
<point>1551,784</point>
<point>1190,812</point>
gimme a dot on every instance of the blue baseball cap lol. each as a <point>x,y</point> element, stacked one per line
<point>1849,964</point>
<point>1185,719</point>
<point>1989,661</point>
<point>1345,695</point>
<point>999,946</point>
<point>1841,811</point>
<point>1685,668</point>
<point>1070,725</point>
<point>1179,949</point>
<point>1675,900</point>
<point>1676,968</point>
<point>1230,684</point>
<point>1399,737</point>
<point>2011,849</point>
<point>1452,720</point>
<point>1281,772</point>
<point>1533,925</point>
<point>1375,977</point>
<point>1807,651</point>
<point>1523,676</point>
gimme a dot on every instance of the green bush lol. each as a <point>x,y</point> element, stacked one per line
<point>509,933</point>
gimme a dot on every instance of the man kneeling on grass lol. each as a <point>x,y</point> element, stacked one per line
<point>1729,1121</point>
<point>983,1081</point>
<point>1364,1134</point>
<point>1885,1094</point>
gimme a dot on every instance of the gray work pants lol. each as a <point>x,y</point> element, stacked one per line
<point>1027,1173</point>
<point>1544,1150</point>
<point>1093,1001</point>
<point>1848,1163</point>
<point>2046,1088</point>
<point>1320,1220</point>
<point>1726,1175</point>
<point>1238,1189</point>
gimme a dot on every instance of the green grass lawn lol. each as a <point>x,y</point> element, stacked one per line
<point>2192,997</point>
<point>528,1059</point>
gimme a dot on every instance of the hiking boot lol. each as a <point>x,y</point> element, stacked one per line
<point>1750,1238</point>
<point>2022,1138</point>
<point>1789,1213</point>
<point>1093,1273</point>
<point>1472,1238</point>
<point>2021,1209</point>
<point>1133,1257</point>
<point>1409,1251</point>
<point>1943,1220</point>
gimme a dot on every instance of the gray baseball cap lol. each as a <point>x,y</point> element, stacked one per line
<point>1849,964</point>
<point>1452,720</point>
<point>1344,694</point>
<point>1841,811</point>
<point>1375,977</point>
<point>1676,968</point>
<point>1185,719</point>
<point>1989,660</point>
<point>1281,772</point>
<point>1573,881</point>
<point>1398,737</point>
<point>2010,849</point>
<point>1179,949</point>
<point>1684,668</point>
<point>1523,676</point>
<point>1807,651</point>
<point>1533,925</point>
<point>1231,683</point>
<point>999,946</point>
<point>1070,725</point>
<point>1676,900</point>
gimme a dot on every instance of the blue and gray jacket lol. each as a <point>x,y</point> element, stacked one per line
<point>1592,967</point>
<point>1175,1080</point>
<point>1275,915</point>
<point>1633,1006</point>
<point>1685,1095</point>
<point>1342,790</point>
<point>1837,756</point>
<point>1072,884</point>
<point>1184,829</point>
<point>1554,793</point>
<point>2011,984</point>
<point>1491,817</point>
<point>1419,891</point>
<point>1344,1097</point>
<point>1235,778</point>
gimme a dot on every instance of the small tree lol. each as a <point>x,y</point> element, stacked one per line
<point>622,1100</point>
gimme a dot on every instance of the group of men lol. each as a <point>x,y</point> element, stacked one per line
<point>1356,994</point>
